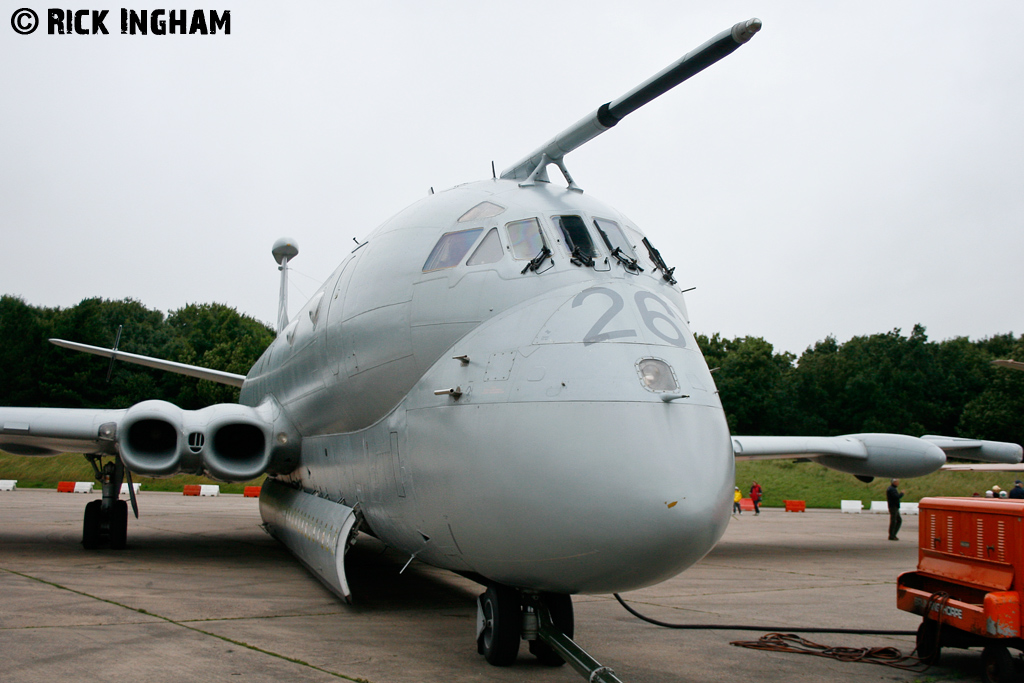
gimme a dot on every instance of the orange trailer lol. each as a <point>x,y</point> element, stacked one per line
<point>969,580</point>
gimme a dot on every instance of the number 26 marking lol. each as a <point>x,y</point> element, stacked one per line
<point>642,299</point>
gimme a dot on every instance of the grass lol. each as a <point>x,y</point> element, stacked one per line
<point>45,472</point>
<point>781,479</point>
<point>821,487</point>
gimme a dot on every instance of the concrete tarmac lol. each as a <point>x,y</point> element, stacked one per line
<point>202,594</point>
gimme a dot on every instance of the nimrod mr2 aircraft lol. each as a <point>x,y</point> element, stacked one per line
<point>501,381</point>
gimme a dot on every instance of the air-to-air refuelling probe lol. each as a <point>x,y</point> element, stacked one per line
<point>501,381</point>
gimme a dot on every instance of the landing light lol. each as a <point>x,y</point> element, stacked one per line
<point>657,375</point>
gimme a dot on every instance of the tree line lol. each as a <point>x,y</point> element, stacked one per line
<point>883,382</point>
<point>34,372</point>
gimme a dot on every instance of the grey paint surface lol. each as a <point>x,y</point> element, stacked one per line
<point>203,570</point>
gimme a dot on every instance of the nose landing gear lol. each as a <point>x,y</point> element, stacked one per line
<point>545,620</point>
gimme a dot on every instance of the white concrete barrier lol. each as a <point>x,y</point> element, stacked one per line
<point>908,509</point>
<point>84,486</point>
<point>209,490</point>
<point>851,505</point>
<point>8,484</point>
<point>879,506</point>
<point>124,488</point>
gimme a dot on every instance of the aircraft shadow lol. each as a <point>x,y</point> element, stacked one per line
<point>374,570</point>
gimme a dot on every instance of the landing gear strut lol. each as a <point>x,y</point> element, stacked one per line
<point>545,620</point>
<point>106,520</point>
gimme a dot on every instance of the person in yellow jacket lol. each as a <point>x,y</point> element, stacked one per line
<point>736,498</point>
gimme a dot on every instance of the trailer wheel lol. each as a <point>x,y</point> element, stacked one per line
<point>997,664</point>
<point>928,647</point>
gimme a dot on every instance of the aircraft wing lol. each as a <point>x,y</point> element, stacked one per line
<point>876,455</point>
<point>974,467</point>
<point>228,441</point>
<point>48,431</point>
<point>218,376</point>
<point>1012,364</point>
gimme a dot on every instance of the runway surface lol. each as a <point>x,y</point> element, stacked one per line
<point>202,594</point>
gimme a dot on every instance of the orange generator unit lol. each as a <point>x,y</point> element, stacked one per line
<point>969,581</point>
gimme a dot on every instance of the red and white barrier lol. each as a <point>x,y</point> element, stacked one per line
<point>124,488</point>
<point>75,486</point>
<point>202,490</point>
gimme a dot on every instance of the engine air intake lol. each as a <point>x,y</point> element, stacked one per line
<point>239,442</point>
<point>153,437</point>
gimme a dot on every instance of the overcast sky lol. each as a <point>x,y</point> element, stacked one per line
<point>857,167</point>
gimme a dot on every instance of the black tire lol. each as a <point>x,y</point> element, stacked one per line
<point>928,648</point>
<point>91,536</point>
<point>560,607</point>
<point>499,641</point>
<point>119,525</point>
<point>997,665</point>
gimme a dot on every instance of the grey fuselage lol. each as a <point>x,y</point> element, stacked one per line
<point>552,466</point>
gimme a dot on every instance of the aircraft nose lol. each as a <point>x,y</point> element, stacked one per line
<point>587,450</point>
<point>593,497</point>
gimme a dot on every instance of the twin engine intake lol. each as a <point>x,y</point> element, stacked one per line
<point>228,442</point>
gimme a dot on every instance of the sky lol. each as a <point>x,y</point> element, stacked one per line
<point>856,168</point>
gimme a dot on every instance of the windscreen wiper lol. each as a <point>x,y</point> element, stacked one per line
<point>629,263</point>
<point>578,258</point>
<point>538,260</point>
<point>659,263</point>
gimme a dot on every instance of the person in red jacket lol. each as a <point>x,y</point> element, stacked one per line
<point>755,496</point>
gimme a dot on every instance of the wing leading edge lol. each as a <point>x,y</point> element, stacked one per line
<point>49,431</point>
<point>210,374</point>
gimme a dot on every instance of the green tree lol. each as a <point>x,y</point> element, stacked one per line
<point>214,336</point>
<point>997,412</point>
<point>34,372</point>
<point>753,382</point>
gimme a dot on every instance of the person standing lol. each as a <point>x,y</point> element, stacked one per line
<point>892,497</point>
<point>755,496</point>
<point>736,498</point>
<point>1018,490</point>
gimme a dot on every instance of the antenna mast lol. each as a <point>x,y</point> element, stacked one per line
<point>285,249</point>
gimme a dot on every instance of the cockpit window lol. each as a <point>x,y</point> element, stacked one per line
<point>617,243</point>
<point>481,210</point>
<point>525,238</point>
<point>489,251</point>
<point>575,235</point>
<point>450,249</point>
<point>612,235</point>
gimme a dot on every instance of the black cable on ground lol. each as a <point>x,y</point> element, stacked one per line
<point>735,627</point>
<point>788,641</point>
<point>792,643</point>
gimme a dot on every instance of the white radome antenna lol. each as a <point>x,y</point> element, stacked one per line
<point>285,249</point>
